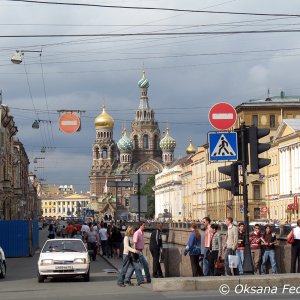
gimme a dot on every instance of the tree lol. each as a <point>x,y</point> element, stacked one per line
<point>147,190</point>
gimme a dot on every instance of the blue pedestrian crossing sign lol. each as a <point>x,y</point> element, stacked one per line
<point>223,146</point>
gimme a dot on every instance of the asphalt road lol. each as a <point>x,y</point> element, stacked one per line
<point>21,283</point>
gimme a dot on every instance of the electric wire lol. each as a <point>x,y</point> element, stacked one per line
<point>156,8</point>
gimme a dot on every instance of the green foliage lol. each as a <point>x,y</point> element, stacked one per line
<point>147,190</point>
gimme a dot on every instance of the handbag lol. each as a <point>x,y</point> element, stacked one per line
<point>233,261</point>
<point>291,238</point>
<point>219,263</point>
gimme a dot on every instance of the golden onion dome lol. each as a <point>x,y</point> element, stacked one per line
<point>104,120</point>
<point>190,149</point>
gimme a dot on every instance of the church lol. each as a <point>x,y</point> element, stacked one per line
<point>143,150</point>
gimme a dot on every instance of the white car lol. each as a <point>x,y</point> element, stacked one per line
<point>64,258</point>
<point>2,264</point>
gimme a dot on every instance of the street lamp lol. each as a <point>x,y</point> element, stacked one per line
<point>17,57</point>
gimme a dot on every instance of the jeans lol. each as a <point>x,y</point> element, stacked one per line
<point>295,256</point>
<point>128,263</point>
<point>144,263</point>
<point>267,254</point>
<point>206,262</point>
<point>240,255</point>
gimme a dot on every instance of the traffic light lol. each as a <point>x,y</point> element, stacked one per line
<point>233,184</point>
<point>254,134</point>
<point>126,202</point>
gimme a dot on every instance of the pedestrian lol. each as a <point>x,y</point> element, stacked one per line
<point>207,241</point>
<point>138,239</point>
<point>241,248</point>
<point>155,249</point>
<point>215,248</point>
<point>64,232</point>
<point>193,248</point>
<point>103,238</point>
<point>202,234</point>
<point>51,232</point>
<point>116,240</point>
<point>129,261</point>
<point>77,235</point>
<point>230,245</point>
<point>70,229</point>
<point>295,248</point>
<point>85,228</point>
<point>268,244</point>
<point>92,242</point>
<point>109,248</point>
<point>255,245</point>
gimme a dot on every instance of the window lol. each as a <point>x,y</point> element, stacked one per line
<point>272,121</point>
<point>255,120</point>
<point>46,210</point>
<point>256,192</point>
<point>136,142</point>
<point>145,142</point>
<point>104,153</point>
<point>155,142</point>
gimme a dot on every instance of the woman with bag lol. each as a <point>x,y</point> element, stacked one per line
<point>130,259</point>
<point>215,250</point>
<point>194,249</point>
<point>295,254</point>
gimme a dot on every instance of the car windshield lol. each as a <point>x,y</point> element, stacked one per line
<point>64,246</point>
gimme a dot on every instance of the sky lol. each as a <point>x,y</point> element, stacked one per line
<point>188,73</point>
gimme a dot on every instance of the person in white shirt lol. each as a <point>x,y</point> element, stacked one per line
<point>295,249</point>
<point>85,228</point>
<point>130,260</point>
<point>103,237</point>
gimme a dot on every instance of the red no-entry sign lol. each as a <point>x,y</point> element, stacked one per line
<point>69,122</point>
<point>222,116</point>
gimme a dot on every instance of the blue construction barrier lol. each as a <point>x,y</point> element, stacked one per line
<point>19,238</point>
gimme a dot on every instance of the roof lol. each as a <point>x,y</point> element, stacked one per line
<point>77,196</point>
<point>272,101</point>
<point>180,161</point>
<point>293,123</point>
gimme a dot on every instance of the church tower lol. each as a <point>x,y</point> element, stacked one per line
<point>104,152</point>
<point>167,144</point>
<point>145,132</point>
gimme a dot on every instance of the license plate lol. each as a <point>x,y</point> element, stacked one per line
<point>63,267</point>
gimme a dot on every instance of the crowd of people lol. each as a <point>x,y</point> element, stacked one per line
<point>107,240</point>
<point>99,237</point>
<point>206,249</point>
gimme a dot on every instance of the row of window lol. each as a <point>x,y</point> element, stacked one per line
<point>59,210</point>
<point>83,203</point>
<point>272,120</point>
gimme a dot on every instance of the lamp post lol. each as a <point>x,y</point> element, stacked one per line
<point>17,57</point>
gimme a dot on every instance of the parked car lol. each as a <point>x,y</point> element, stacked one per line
<point>2,264</point>
<point>63,258</point>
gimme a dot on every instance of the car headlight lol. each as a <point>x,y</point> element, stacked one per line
<point>79,261</point>
<point>46,262</point>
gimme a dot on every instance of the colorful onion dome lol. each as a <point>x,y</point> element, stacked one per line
<point>190,149</point>
<point>125,143</point>
<point>104,120</point>
<point>167,143</point>
<point>143,82</point>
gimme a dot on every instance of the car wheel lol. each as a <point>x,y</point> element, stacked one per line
<point>86,277</point>
<point>2,269</point>
<point>41,278</point>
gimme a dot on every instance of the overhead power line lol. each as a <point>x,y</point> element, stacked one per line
<point>152,33</point>
<point>157,8</point>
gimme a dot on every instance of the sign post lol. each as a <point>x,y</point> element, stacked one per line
<point>69,122</point>
<point>222,116</point>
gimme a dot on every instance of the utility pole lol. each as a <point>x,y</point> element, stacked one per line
<point>139,195</point>
<point>248,264</point>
